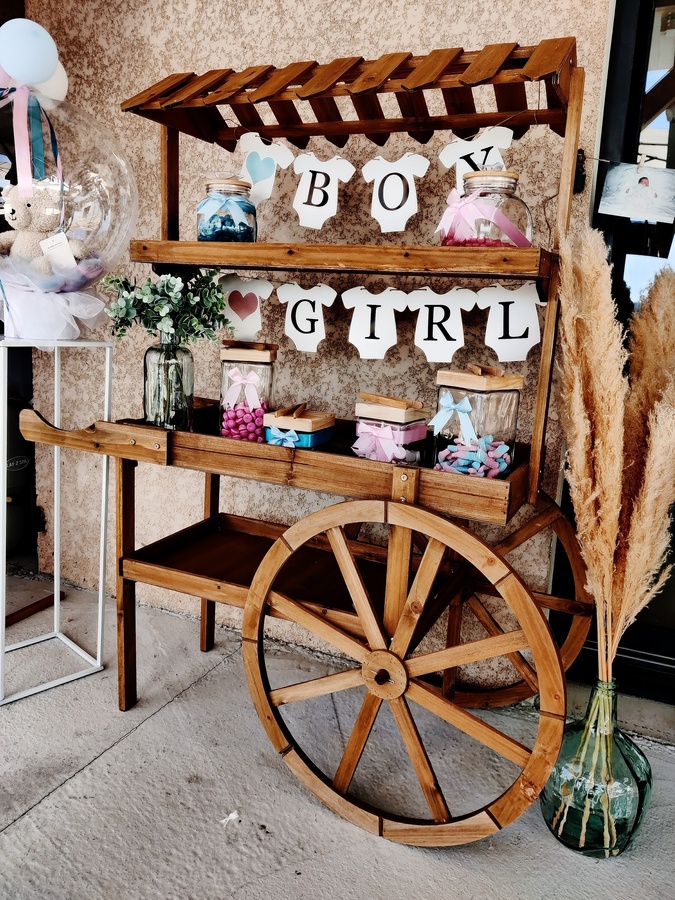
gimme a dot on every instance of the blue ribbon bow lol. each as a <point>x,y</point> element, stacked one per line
<point>282,438</point>
<point>447,408</point>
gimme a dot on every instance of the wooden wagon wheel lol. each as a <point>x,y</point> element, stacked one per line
<point>574,611</point>
<point>377,674</point>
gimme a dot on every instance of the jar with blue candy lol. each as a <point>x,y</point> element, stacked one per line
<point>475,425</point>
<point>226,212</point>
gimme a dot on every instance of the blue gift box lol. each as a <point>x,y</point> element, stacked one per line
<point>307,430</point>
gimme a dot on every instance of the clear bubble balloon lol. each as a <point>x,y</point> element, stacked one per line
<point>27,51</point>
<point>96,199</point>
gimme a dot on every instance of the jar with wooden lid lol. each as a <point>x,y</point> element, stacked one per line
<point>475,425</point>
<point>489,214</point>
<point>246,394</point>
<point>226,213</point>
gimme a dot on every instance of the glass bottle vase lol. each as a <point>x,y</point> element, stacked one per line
<point>596,795</point>
<point>168,399</point>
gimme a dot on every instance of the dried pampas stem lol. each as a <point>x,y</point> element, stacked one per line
<point>619,430</point>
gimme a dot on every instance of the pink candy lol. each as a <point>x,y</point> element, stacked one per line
<point>240,423</point>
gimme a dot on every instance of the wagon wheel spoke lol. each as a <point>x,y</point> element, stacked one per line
<point>318,626</point>
<point>548,515</point>
<point>471,725</point>
<point>316,687</point>
<point>494,629</point>
<point>452,639</point>
<point>357,590</point>
<point>462,654</point>
<point>398,575</point>
<point>435,606</point>
<point>417,597</point>
<point>356,743</point>
<point>420,760</point>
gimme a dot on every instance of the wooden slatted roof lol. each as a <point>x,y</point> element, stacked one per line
<point>302,96</point>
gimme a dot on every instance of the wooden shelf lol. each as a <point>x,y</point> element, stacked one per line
<point>480,499</point>
<point>491,262</point>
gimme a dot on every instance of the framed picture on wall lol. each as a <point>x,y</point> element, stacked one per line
<point>640,193</point>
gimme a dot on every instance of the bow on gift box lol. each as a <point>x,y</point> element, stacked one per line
<point>461,214</point>
<point>248,383</point>
<point>283,438</point>
<point>447,408</point>
<point>377,441</point>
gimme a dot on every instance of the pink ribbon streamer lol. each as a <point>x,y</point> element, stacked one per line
<point>248,383</point>
<point>377,440</point>
<point>461,213</point>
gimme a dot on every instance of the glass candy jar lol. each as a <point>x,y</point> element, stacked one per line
<point>475,425</point>
<point>247,380</point>
<point>488,214</point>
<point>389,433</point>
<point>226,212</point>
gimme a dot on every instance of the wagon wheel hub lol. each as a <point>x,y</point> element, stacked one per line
<point>384,675</point>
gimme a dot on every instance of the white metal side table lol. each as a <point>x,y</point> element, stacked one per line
<point>93,663</point>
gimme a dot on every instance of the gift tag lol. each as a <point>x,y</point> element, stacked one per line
<point>57,250</point>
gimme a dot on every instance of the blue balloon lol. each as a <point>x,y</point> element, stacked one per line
<point>27,51</point>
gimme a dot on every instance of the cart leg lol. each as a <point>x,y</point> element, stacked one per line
<point>207,632</point>
<point>126,590</point>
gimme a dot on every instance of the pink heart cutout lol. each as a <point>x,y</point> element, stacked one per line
<point>244,305</point>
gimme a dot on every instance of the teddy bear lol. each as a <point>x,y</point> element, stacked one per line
<point>33,219</point>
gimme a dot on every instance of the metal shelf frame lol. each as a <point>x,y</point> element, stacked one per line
<point>93,663</point>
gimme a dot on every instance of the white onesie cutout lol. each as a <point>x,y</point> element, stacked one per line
<point>243,303</point>
<point>439,331</point>
<point>316,198</point>
<point>513,321</point>
<point>304,313</point>
<point>373,327</point>
<point>394,193</point>
<point>260,164</point>
<point>479,153</point>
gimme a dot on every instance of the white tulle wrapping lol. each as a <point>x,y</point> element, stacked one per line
<point>33,314</point>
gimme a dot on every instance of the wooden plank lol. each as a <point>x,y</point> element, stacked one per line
<point>157,91</point>
<point>207,620</point>
<point>196,87</point>
<point>316,687</point>
<point>169,183</point>
<point>512,98</point>
<point>430,67</point>
<point>287,115</point>
<point>357,589</point>
<point>462,654</point>
<point>490,262</point>
<point>325,77</point>
<point>529,529</point>
<point>486,734</point>
<point>414,105</point>
<point>374,125</point>
<point>377,72</point>
<point>569,157</point>
<point>546,362</point>
<point>549,58</point>
<point>403,489</point>
<point>142,443</point>
<point>237,83</point>
<point>420,760</point>
<point>493,629</point>
<point>454,833</point>
<point>356,743</point>
<point>125,496</point>
<point>279,79</point>
<point>417,598</point>
<point>453,639</point>
<point>326,110</point>
<point>488,62</point>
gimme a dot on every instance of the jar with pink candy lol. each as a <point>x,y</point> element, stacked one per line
<point>488,214</point>
<point>247,379</point>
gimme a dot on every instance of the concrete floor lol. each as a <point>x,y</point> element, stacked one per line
<point>96,804</point>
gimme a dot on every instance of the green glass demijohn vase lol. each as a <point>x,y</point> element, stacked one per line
<point>168,399</point>
<point>595,797</point>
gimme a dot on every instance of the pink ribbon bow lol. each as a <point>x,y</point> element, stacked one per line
<point>461,213</point>
<point>248,383</point>
<point>377,441</point>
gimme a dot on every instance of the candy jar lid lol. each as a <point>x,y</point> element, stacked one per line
<point>226,183</point>
<point>492,179</point>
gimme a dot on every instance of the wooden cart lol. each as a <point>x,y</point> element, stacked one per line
<point>372,604</point>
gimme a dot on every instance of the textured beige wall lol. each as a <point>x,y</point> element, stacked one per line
<point>113,49</point>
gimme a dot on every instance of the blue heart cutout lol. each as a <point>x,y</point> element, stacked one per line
<point>260,168</point>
